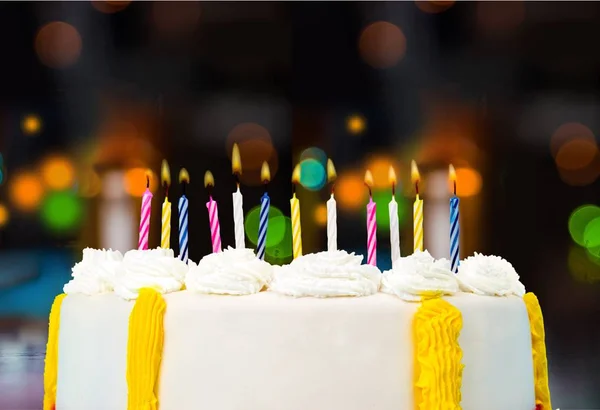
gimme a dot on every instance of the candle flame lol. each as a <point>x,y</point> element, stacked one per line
<point>331,174</point>
<point>451,173</point>
<point>414,172</point>
<point>236,160</point>
<point>165,173</point>
<point>392,176</point>
<point>265,173</point>
<point>368,179</point>
<point>184,177</point>
<point>209,180</point>
<point>296,175</point>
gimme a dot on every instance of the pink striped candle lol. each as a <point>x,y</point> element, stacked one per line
<point>213,214</point>
<point>371,223</point>
<point>145,216</point>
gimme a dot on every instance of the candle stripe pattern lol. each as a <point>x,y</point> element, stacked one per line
<point>238,219</point>
<point>145,220</point>
<point>372,233</point>
<point>454,235</point>
<point>265,203</point>
<point>215,228</point>
<point>296,227</point>
<point>165,235</point>
<point>183,228</point>
<point>418,224</point>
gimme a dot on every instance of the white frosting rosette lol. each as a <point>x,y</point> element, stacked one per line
<point>95,273</point>
<point>489,275</point>
<point>419,276</point>
<point>327,274</point>
<point>157,269</point>
<point>231,272</point>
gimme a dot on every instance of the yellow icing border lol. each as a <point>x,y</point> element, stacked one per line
<point>438,368</point>
<point>538,347</point>
<point>51,360</point>
<point>144,350</point>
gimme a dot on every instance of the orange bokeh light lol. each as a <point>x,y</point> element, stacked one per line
<point>173,18</point>
<point>109,6</point>
<point>58,44</point>
<point>135,181</point>
<point>500,16</point>
<point>468,182</point>
<point>356,124</point>
<point>350,191</point>
<point>576,154</point>
<point>26,191</point>
<point>4,215</point>
<point>321,215</point>
<point>568,132</point>
<point>582,176</point>
<point>380,168</point>
<point>31,124</point>
<point>434,7</point>
<point>382,44</point>
<point>57,172</point>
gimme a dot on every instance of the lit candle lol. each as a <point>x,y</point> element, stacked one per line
<point>331,209</point>
<point>417,209</point>
<point>238,199</point>
<point>454,224</point>
<point>295,208</point>
<point>371,223</point>
<point>265,203</point>
<point>145,215</point>
<point>165,233</point>
<point>184,179</point>
<point>213,213</point>
<point>394,225</point>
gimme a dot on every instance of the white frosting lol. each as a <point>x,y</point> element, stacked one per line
<point>231,272</point>
<point>327,274</point>
<point>489,275</point>
<point>95,273</point>
<point>419,276</point>
<point>155,268</point>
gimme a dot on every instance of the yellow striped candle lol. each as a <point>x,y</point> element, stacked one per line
<point>295,207</point>
<point>417,209</point>
<point>165,235</point>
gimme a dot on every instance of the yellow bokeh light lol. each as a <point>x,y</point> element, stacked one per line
<point>350,191</point>
<point>468,182</point>
<point>31,124</point>
<point>321,215</point>
<point>57,172</point>
<point>135,181</point>
<point>26,191</point>
<point>4,215</point>
<point>356,124</point>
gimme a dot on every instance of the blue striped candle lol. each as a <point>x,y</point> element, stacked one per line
<point>265,203</point>
<point>454,234</point>
<point>184,179</point>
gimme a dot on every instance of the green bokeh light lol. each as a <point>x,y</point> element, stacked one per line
<point>591,234</point>
<point>582,267</point>
<point>312,174</point>
<point>282,252</point>
<point>62,211</point>
<point>383,198</point>
<point>275,230</point>
<point>314,153</point>
<point>579,219</point>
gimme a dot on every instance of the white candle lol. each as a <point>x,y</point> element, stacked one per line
<point>331,224</point>
<point>238,218</point>
<point>394,230</point>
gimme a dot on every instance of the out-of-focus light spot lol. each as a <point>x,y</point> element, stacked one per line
<point>109,6</point>
<point>356,124</point>
<point>350,191</point>
<point>576,154</point>
<point>175,18</point>
<point>4,215</point>
<point>89,183</point>
<point>380,167</point>
<point>31,124</point>
<point>591,234</point>
<point>579,219</point>
<point>58,44</point>
<point>498,17</point>
<point>2,171</point>
<point>26,191</point>
<point>314,153</point>
<point>433,7</point>
<point>275,231</point>
<point>57,172</point>
<point>62,211</point>
<point>281,253</point>
<point>382,44</point>
<point>569,132</point>
<point>312,174</point>
<point>321,215</point>
<point>582,176</point>
<point>581,267</point>
<point>135,181</point>
<point>468,182</point>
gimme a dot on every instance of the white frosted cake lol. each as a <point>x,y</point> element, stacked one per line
<point>246,336</point>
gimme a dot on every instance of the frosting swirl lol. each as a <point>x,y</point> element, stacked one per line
<point>489,275</point>
<point>327,274</point>
<point>419,276</point>
<point>95,273</point>
<point>157,269</point>
<point>231,272</point>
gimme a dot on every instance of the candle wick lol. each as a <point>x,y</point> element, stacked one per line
<point>294,189</point>
<point>183,185</point>
<point>209,188</point>
<point>454,188</point>
<point>393,189</point>
<point>147,182</point>
<point>332,189</point>
<point>417,187</point>
<point>237,179</point>
<point>166,186</point>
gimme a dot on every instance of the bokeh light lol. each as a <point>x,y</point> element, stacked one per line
<point>582,176</point>
<point>57,172</point>
<point>382,44</point>
<point>500,16</point>
<point>282,252</point>
<point>321,215</point>
<point>275,231</point>
<point>356,124</point>
<point>581,267</point>
<point>379,166</point>
<point>579,220</point>
<point>175,18</point>
<point>314,153</point>
<point>109,6</point>
<point>312,174</point>
<point>58,44</point>
<point>350,191</point>
<point>2,171</point>
<point>135,181</point>
<point>591,234</point>
<point>468,182</point>
<point>31,124</point>
<point>4,215</point>
<point>89,183</point>
<point>576,154</point>
<point>62,211</point>
<point>26,191</point>
<point>568,132</point>
<point>434,7</point>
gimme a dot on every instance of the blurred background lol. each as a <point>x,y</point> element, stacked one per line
<point>94,93</point>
